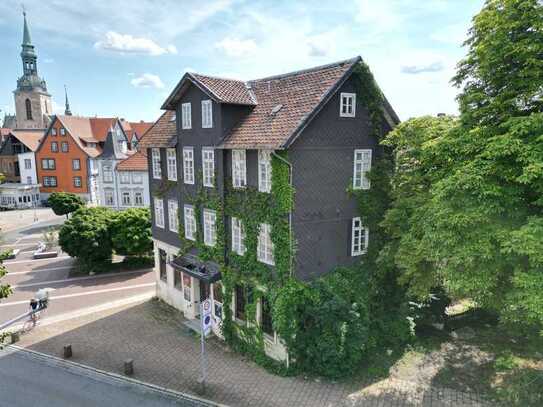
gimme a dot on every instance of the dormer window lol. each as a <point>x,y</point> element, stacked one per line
<point>53,132</point>
<point>207,114</point>
<point>186,118</point>
<point>347,104</point>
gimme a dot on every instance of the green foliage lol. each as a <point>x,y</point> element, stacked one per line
<point>64,203</point>
<point>131,232</point>
<point>87,236</point>
<point>5,289</point>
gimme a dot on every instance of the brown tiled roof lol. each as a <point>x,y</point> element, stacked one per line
<point>284,104</point>
<point>101,126</point>
<point>226,90</point>
<point>162,133</point>
<point>135,128</point>
<point>136,162</point>
<point>30,138</point>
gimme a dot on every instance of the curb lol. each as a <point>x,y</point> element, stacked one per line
<point>69,365</point>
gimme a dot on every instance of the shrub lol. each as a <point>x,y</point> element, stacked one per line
<point>86,236</point>
<point>131,232</point>
<point>64,203</point>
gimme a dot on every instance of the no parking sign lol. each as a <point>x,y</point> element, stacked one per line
<point>206,316</point>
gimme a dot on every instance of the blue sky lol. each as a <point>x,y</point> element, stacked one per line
<point>122,58</point>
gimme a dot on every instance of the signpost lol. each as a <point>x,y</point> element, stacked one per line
<point>205,321</point>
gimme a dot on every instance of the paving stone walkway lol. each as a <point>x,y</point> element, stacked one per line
<point>167,354</point>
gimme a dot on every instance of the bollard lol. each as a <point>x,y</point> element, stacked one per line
<point>14,336</point>
<point>129,367</point>
<point>67,352</point>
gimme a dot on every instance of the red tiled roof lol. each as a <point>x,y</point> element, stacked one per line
<point>30,138</point>
<point>226,90</point>
<point>162,133</point>
<point>136,162</point>
<point>100,126</point>
<point>135,128</point>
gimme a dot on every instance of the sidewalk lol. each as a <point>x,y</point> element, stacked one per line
<point>20,218</point>
<point>166,354</point>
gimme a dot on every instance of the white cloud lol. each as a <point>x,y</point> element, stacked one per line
<point>126,43</point>
<point>147,80</point>
<point>436,66</point>
<point>235,47</point>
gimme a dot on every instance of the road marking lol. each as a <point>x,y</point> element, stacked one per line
<point>95,277</point>
<point>16,273</point>
<point>19,244</point>
<point>32,260</point>
<point>60,297</point>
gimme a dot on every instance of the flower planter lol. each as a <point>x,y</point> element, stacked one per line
<point>44,254</point>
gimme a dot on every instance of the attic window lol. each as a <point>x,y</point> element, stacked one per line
<point>275,110</point>
<point>173,118</point>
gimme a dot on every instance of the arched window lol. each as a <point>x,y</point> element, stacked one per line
<point>28,109</point>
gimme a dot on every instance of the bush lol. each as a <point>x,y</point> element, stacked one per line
<point>64,203</point>
<point>131,232</point>
<point>86,236</point>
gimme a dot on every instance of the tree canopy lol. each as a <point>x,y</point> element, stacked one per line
<point>131,232</point>
<point>64,203</point>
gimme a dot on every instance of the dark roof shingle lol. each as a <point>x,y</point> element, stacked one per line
<point>136,162</point>
<point>162,133</point>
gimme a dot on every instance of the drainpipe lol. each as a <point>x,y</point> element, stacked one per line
<point>290,212</point>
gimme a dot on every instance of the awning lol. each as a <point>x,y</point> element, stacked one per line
<point>205,271</point>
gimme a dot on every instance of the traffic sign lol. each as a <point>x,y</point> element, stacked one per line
<point>206,316</point>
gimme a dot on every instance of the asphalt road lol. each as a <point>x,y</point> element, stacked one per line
<point>28,380</point>
<point>69,294</point>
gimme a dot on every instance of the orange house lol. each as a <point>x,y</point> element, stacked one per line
<point>65,159</point>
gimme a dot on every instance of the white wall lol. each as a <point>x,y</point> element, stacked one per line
<point>26,173</point>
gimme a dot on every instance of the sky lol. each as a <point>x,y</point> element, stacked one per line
<point>123,58</point>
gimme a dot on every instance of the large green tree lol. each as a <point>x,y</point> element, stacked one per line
<point>64,203</point>
<point>468,209</point>
<point>131,232</point>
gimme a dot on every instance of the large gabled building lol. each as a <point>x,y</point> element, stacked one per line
<point>221,138</point>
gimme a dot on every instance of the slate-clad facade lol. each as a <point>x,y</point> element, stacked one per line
<point>313,114</point>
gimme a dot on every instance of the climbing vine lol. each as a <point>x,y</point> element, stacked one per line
<point>164,188</point>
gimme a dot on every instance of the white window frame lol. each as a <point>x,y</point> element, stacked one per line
<point>346,97</point>
<point>53,132</point>
<point>264,171</point>
<point>108,193</point>
<point>77,181</point>
<point>264,250</point>
<point>138,196</point>
<point>155,158</point>
<point>358,232</point>
<point>173,215</point>
<point>238,237</point>
<point>124,177</point>
<point>62,131</point>
<point>210,227</point>
<point>171,160</point>
<point>208,166</point>
<point>239,168</point>
<point>107,174</point>
<point>28,164</point>
<point>186,116</point>
<point>190,222</point>
<point>129,195</point>
<point>207,114</point>
<point>159,212</point>
<point>78,161</point>
<point>188,165</point>
<point>137,177</point>
<point>361,167</point>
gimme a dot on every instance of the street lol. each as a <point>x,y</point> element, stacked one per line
<point>69,295</point>
<point>28,380</point>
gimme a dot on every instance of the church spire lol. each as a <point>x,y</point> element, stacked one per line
<point>26,31</point>
<point>67,110</point>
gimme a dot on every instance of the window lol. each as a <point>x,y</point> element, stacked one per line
<point>266,317</point>
<point>177,279</point>
<point>171,161</point>
<point>122,146</point>
<point>107,173</point>
<point>173,217</point>
<point>77,182</point>
<point>265,246</point>
<point>187,283</point>
<point>62,131</point>
<point>159,213</point>
<point>264,171</point>
<point>208,166</point>
<point>190,223</point>
<point>125,198</point>
<point>64,147</point>
<point>239,173</point>
<point>360,237</point>
<point>76,164</point>
<point>186,121</point>
<point>109,198</point>
<point>125,177</point>
<point>347,105</point>
<point>49,181</point>
<point>28,107</point>
<point>54,146</point>
<point>210,232</point>
<point>217,299</point>
<point>162,257</point>
<point>48,164</point>
<point>207,114</point>
<point>238,237</point>
<point>362,164</point>
<point>53,132</point>
<point>28,164</point>
<point>188,165</point>
<point>243,296</point>
<point>29,180</point>
<point>155,158</point>
<point>174,117</point>
<point>137,178</point>
<point>138,198</point>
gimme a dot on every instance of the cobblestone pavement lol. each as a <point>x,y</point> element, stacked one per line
<point>167,354</point>
<point>19,218</point>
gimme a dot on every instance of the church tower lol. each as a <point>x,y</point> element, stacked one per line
<point>33,104</point>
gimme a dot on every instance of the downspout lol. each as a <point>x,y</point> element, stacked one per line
<point>290,212</point>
